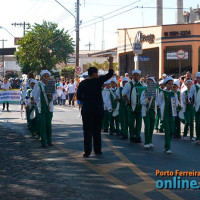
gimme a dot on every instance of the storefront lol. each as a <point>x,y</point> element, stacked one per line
<point>170,49</point>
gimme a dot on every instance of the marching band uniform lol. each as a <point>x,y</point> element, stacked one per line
<point>107,107</point>
<point>189,112</point>
<point>177,132</point>
<point>123,111</point>
<point>168,112</point>
<point>45,109</point>
<point>158,120</point>
<point>195,93</point>
<point>149,111</point>
<point>132,91</point>
<point>115,109</point>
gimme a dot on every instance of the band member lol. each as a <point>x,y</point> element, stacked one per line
<point>158,122</point>
<point>90,92</point>
<point>189,112</point>
<point>44,104</point>
<point>123,110</point>
<point>149,109</point>
<point>107,106</point>
<point>194,96</point>
<point>31,108</point>
<point>132,93</point>
<point>5,86</point>
<point>168,102</point>
<point>177,132</point>
<point>114,121</point>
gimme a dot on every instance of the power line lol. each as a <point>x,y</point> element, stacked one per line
<point>113,11</point>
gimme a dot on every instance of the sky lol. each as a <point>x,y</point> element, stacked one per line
<point>129,14</point>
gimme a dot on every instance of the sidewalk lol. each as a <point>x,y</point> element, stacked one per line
<point>29,173</point>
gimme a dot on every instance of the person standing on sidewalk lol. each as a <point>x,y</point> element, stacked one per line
<point>90,92</point>
<point>5,86</point>
<point>44,104</point>
<point>71,89</point>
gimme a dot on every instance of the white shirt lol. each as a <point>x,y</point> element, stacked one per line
<point>71,88</point>
<point>63,86</point>
<point>5,86</point>
<point>127,89</point>
<point>59,92</point>
<point>63,95</point>
<point>106,99</point>
<point>36,95</point>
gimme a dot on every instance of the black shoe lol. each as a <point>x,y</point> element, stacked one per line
<point>105,130</point>
<point>98,152</point>
<point>111,133</point>
<point>161,130</point>
<point>86,155</point>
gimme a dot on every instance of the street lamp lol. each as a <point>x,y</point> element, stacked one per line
<point>77,23</point>
<point>1,27</point>
<point>3,67</point>
<point>103,42</point>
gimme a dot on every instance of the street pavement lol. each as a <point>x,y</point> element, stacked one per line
<point>124,171</point>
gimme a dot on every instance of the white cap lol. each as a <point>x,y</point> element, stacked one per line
<point>136,71</point>
<point>152,78</point>
<point>45,72</point>
<point>114,80</point>
<point>169,78</point>
<point>33,81</point>
<point>161,82</point>
<point>177,82</point>
<point>125,79</point>
<point>164,75</point>
<point>107,82</point>
<point>191,81</point>
<point>198,74</point>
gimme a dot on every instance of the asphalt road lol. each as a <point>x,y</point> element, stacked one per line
<point>124,171</point>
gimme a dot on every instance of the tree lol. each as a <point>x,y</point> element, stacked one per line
<point>104,66</point>
<point>67,72</point>
<point>43,47</point>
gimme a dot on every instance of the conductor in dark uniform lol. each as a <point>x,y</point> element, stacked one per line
<point>89,91</point>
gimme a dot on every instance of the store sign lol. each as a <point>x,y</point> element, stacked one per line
<point>141,38</point>
<point>177,33</point>
<point>144,58</point>
<point>175,56</point>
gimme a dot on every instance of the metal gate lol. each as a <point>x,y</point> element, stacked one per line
<point>149,66</point>
<point>172,66</point>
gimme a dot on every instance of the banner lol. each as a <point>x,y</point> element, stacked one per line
<point>10,96</point>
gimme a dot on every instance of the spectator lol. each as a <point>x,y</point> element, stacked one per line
<point>71,89</point>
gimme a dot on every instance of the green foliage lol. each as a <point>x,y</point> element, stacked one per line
<point>67,72</point>
<point>104,66</point>
<point>43,47</point>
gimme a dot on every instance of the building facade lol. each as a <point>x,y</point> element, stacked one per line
<point>162,47</point>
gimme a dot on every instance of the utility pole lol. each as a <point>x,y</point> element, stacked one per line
<point>3,72</point>
<point>22,25</point>
<point>77,32</point>
<point>89,45</point>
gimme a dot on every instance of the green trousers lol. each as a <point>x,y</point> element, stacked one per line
<point>114,124</point>
<point>134,123</point>
<point>197,118</point>
<point>149,121</point>
<point>106,120</point>
<point>168,124</point>
<point>45,127</point>
<point>158,120</point>
<point>123,117</point>
<point>189,122</point>
<point>177,127</point>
